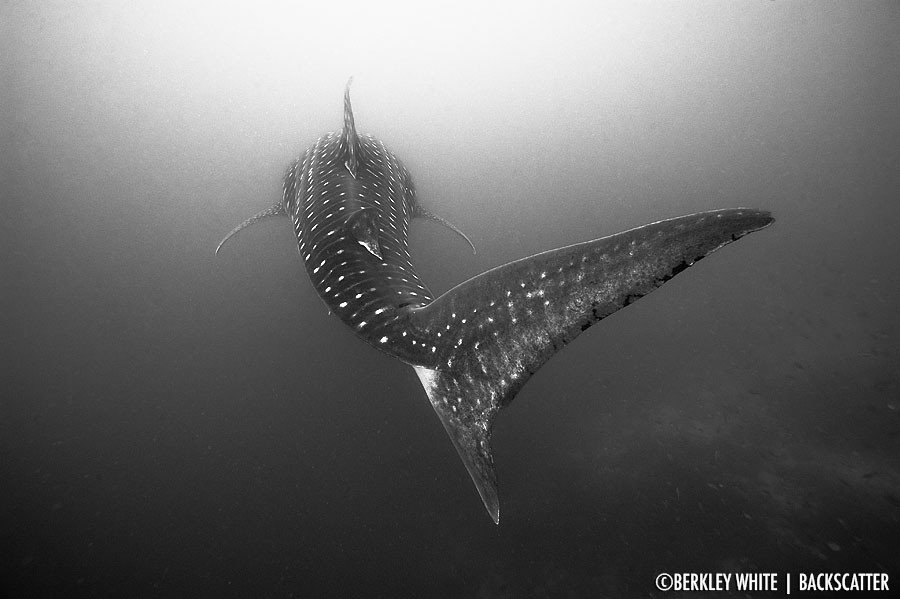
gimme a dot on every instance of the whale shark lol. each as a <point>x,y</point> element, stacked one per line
<point>351,202</point>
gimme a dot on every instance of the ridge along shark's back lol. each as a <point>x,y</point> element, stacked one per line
<point>473,348</point>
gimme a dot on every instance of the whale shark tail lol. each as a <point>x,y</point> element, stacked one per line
<point>489,334</point>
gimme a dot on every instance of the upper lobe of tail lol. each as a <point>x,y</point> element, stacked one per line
<point>494,331</point>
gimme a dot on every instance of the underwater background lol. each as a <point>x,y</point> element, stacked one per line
<point>177,424</point>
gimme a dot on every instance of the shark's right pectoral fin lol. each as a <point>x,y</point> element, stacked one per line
<point>466,410</point>
<point>422,213</point>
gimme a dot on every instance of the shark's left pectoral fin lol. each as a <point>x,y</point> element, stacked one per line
<point>275,210</point>
<point>466,410</point>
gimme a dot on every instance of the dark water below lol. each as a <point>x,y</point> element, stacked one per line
<point>179,425</point>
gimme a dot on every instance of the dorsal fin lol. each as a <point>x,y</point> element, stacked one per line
<point>349,139</point>
<point>276,210</point>
<point>422,213</point>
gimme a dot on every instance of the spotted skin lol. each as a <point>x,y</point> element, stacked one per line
<point>474,347</point>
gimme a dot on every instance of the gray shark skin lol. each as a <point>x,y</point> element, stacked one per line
<point>473,348</point>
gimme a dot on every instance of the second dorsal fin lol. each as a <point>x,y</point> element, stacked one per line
<point>363,226</point>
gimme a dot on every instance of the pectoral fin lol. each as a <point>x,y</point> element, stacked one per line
<point>276,210</point>
<point>422,213</point>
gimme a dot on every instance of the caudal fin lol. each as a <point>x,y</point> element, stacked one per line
<point>469,427</point>
<point>491,333</point>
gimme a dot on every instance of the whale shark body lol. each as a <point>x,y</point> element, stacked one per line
<point>351,202</point>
